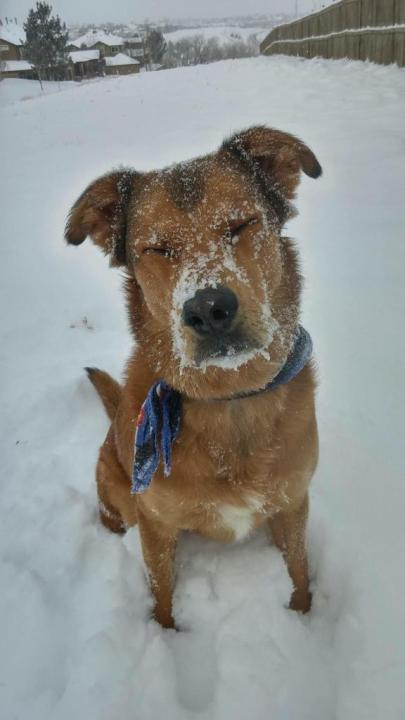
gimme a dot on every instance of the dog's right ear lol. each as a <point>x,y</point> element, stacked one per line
<point>101,212</point>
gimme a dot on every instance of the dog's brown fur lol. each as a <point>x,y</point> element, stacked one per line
<point>237,463</point>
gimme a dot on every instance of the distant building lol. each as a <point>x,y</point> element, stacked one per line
<point>121,65</point>
<point>17,69</point>
<point>85,64</point>
<point>12,39</point>
<point>106,43</point>
<point>134,47</point>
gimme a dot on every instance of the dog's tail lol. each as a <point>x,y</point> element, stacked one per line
<point>108,389</point>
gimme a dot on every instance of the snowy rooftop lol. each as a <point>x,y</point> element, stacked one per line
<point>77,56</point>
<point>12,33</point>
<point>120,59</point>
<point>15,65</point>
<point>94,36</point>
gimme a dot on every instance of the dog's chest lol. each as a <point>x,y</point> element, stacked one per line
<point>221,483</point>
<point>226,469</point>
<point>223,495</point>
<point>240,520</point>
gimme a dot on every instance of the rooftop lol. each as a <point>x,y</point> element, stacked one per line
<point>12,33</point>
<point>16,65</point>
<point>94,36</point>
<point>77,56</point>
<point>120,59</point>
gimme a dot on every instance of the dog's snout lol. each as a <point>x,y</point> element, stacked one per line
<point>211,311</point>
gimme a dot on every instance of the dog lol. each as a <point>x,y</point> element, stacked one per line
<point>215,421</point>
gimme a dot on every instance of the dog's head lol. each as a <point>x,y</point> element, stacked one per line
<point>212,285</point>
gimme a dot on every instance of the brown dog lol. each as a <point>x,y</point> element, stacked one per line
<point>213,297</point>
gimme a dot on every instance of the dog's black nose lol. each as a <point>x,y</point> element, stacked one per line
<point>211,311</point>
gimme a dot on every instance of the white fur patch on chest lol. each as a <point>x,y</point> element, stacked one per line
<point>237,519</point>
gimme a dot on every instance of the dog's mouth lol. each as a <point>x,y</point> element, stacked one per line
<point>226,350</point>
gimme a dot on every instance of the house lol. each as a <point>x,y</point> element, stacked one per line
<point>85,63</point>
<point>121,65</point>
<point>12,39</point>
<point>134,47</point>
<point>106,43</point>
<point>17,69</point>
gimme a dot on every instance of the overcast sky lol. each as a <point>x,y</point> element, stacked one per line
<point>124,10</point>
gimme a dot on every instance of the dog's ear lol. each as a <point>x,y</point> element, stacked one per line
<point>101,212</point>
<point>280,156</point>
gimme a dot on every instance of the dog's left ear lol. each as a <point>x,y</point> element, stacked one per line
<point>101,213</point>
<point>281,156</point>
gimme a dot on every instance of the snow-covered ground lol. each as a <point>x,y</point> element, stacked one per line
<point>76,638</point>
<point>16,90</point>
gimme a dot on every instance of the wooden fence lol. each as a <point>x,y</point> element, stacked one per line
<point>356,29</point>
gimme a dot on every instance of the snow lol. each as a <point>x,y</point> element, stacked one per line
<point>120,59</point>
<point>223,33</point>
<point>74,607</point>
<point>84,55</point>
<point>12,33</point>
<point>13,91</point>
<point>94,36</point>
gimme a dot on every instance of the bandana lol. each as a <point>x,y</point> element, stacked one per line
<point>157,427</point>
<point>159,420</point>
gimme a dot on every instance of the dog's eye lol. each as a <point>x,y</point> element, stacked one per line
<point>236,229</point>
<point>165,251</point>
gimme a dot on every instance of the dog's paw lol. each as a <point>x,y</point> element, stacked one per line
<point>112,521</point>
<point>301,601</point>
<point>164,619</point>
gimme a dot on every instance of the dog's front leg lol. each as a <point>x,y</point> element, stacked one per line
<point>159,547</point>
<point>288,530</point>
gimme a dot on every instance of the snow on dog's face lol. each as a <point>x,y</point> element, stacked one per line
<point>213,288</point>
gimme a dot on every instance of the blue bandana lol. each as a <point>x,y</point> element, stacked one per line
<point>156,430</point>
<point>296,361</point>
<point>159,419</point>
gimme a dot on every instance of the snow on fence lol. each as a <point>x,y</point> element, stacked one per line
<point>357,29</point>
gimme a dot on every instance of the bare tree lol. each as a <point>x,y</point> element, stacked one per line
<point>195,50</point>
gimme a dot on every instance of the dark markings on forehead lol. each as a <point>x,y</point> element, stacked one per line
<point>185,184</point>
<point>236,153</point>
